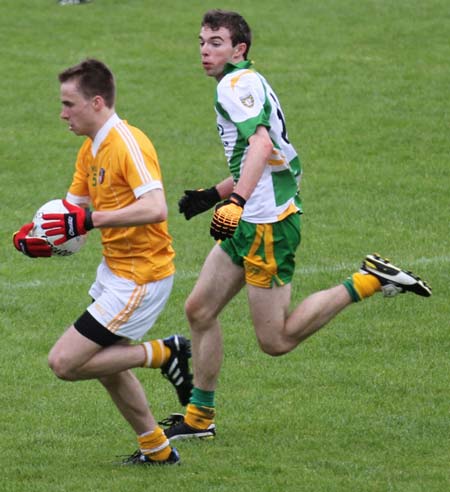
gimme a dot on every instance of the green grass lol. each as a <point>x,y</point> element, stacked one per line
<point>361,406</point>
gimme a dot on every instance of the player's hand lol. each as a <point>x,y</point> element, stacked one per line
<point>34,247</point>
<point>72,224</point>
<point>226,217</point>
<point>195,202</point>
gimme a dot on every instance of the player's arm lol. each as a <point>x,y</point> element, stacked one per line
<point>228,213</point>
<point>225,187</point>
<point>149,208</point>
<point>258,153</point>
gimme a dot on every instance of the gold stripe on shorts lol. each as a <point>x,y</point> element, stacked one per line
<point>257,271</point>
<point>132,304</point>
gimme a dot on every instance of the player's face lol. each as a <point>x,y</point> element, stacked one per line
<point>216,50</point>
<point>77,110</point>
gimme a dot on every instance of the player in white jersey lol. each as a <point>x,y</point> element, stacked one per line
<point>244,101</point>
<point>117,170</point>
<point>257,226</point>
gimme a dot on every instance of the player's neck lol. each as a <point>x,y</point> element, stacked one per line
<point>102,117</point>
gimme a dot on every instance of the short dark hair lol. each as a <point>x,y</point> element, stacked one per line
<point>240,31</point>
<point>94,78</point>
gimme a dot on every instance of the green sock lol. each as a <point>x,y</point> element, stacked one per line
<point>202,398</point>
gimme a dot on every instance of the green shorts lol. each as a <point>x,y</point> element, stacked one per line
<point>266,251</point>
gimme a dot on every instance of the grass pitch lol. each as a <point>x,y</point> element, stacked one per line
<point>361,406</point>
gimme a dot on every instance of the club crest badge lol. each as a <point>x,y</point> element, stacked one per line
<point>101,175</point>
<point>248,101</point>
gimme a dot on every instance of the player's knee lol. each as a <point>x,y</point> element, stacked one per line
<point>60,367</point>
<point>197,313</point>
<point>273,350</point>
<point>273,346</point>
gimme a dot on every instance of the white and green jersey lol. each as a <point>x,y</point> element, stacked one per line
<point>244,101</point>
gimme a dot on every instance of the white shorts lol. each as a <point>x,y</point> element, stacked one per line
<point>125,308</point>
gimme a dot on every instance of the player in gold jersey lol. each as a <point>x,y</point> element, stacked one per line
<point>117,171</point>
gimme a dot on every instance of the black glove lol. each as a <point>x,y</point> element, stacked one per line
<point>226,217</point>
<point>195,202</point>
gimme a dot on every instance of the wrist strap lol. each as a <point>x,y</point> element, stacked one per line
<point>88,224</point>
<point>237,199</point>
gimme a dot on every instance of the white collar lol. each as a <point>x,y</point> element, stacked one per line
<point>103,132</point>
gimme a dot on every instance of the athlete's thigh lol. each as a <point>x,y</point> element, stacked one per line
<point>269,309</point>
<point>73,349</point>
<point>219,281</point>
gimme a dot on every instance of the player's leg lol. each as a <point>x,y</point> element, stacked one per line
<point>75,357</point>
<point>91,350</point>
<point>279,333</point>
<point>219,281</point>
<point>129,397</point>
<point>74,351</point>
<point>269,306</point>
<point>125,310</point>
<point>269,268</point>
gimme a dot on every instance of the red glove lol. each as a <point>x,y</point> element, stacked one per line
<point>34,247</point>
<point>72,224</point>
<point>226,217</point>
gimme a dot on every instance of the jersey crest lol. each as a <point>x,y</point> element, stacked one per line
<point>248,101</point>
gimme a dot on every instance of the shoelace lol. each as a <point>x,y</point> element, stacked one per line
<point>129,458</point>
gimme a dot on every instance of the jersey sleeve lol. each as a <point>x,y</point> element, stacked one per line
<point>139,162</point>
<point>241,96</point>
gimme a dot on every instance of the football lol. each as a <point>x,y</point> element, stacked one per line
<point>65,249</point>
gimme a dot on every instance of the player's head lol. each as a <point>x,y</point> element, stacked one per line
<point>87,96</point>
<point>93,78</point>
<point>240,31</point>
<point>225,37</point>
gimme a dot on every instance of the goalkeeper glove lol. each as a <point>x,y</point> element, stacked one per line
<point>34,247</point>
<point>72,224</point>
<point>226,217</point>
<point>195,202</point>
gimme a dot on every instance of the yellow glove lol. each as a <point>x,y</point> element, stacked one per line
<point>226,217</point>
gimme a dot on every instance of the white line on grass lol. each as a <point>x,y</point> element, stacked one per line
<point>186,274</point>
<point>312,269</point>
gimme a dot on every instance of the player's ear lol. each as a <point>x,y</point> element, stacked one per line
<point>98,103</point>
<point>239,50</point>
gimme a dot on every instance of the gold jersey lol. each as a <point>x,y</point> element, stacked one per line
<point>112,171</point>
